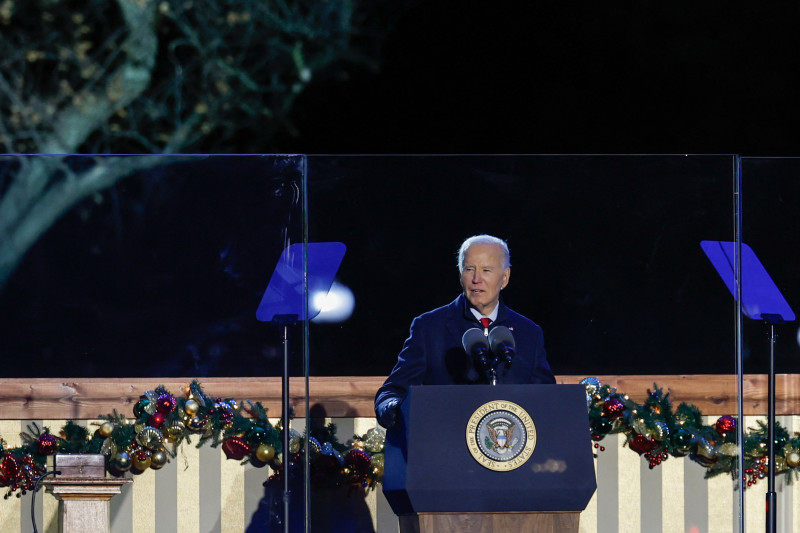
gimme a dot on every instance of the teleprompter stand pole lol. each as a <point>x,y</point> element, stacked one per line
<point>285,321</point>
<point>772,522</point>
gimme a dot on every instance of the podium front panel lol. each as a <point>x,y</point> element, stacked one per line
<point>429,466</point>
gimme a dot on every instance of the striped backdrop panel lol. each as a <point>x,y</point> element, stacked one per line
<point>200,491</point>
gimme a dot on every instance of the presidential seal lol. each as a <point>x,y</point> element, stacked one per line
<point>501,435</point>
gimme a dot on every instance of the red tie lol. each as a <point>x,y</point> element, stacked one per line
<point>486,321</point>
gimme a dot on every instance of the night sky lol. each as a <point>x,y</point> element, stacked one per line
<point>533,77</point>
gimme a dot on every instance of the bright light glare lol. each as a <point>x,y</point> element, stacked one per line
<point>336,306</point>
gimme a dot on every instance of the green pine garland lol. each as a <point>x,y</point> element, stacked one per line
<point>163,422</point>
<point>656,431</point>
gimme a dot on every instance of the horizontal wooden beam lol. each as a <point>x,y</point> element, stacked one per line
<point>352,396</point>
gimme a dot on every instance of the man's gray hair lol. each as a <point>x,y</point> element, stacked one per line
<point>483,239</point>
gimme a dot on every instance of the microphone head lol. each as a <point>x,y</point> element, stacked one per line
<point>475,342</point>
<point>501,340</point>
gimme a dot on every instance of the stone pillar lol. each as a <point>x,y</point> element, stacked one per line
<point>83,494</point>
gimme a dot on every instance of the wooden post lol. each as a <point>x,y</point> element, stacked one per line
<point>83,492</point>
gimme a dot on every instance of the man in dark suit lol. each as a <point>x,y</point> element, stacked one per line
<point>433,354</point>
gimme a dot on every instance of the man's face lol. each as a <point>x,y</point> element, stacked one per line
<point>483,276</point>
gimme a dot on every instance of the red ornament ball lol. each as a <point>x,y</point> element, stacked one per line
<point>166,403</point>
<point>613,407</point>
<point>46,444</point>
<point>641,444</point>
<point>236,448</point>
<point>358,460</point>
<point>157,420</point>
<point>9,469</point>
<point>726,424</point>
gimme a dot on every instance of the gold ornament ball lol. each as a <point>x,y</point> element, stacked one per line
<point>122,461</point>
<point>793,459</point>
<point>265,452</point>
<point>158,459</point>
<point>191,407</point>
<point>106,429</point>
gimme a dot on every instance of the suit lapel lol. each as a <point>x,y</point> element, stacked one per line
<point>457,319</point>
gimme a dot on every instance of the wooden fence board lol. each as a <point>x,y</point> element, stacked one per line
<point>352,396</point>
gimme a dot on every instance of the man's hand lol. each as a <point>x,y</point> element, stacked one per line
<point>387,412</point>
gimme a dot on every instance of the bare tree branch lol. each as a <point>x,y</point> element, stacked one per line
<point>149,76</point>
<point>121,87</point>
<point>38,209</point>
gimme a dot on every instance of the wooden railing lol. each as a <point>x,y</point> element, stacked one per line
<point>352,396</point>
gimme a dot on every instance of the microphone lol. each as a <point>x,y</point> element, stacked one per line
<point>502,343</point>
<point>476,345</point>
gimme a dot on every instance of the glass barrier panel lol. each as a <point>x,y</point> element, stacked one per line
<point>607,259</point>
<point>157,267</point>
<point>770,234</point>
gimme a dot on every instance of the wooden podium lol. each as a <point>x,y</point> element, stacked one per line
<point>446,470</point>
<point>83,492</point>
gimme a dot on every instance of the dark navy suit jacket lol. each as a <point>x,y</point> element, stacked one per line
<point>433,353</point>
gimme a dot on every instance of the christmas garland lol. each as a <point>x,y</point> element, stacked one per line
<point>656,431</point>
<point>163,422</point>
